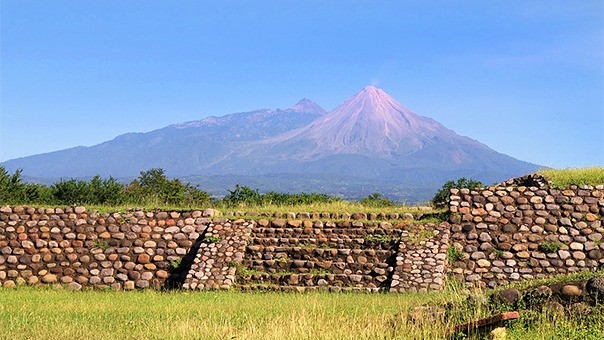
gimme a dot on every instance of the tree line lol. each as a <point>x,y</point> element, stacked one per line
<point>153,188</point>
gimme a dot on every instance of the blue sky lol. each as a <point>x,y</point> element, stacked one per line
<point>524,77</point>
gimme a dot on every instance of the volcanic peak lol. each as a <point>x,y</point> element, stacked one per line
<point>370,122</point>
<point>307,105</point>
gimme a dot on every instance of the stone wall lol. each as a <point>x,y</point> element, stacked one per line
<point>496,235</point>
<point>221,249</point>
<point>512,232</point>
<point>198,250</point>
<point>77,248</point>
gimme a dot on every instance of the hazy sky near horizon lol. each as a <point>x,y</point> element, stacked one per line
<point>525,78</point>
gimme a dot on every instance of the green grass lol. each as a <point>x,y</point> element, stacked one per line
<point>58,314</point>
<point>563,178</point>
<point>332,207</point>
<point>46,313</point>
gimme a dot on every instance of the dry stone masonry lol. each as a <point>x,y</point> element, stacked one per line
<point>80,249</point>
<point>521,229</point>
<point>222,248</point>
<point>421,262</point>
<point>306,255</point>
<point>199,250</point>
<point>513,232</point>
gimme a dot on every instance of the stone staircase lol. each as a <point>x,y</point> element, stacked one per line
<point>312,256</point>
<point>318,258</point>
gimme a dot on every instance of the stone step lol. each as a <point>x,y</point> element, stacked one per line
<point>303,289</point>
<point>304,266</point>
<point>332,242</point>
<point>313,280</point>
<point>317,254</point>
<point>260,231</point>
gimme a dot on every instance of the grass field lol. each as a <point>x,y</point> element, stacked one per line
<point>563,178</point>
<point>47,313</point>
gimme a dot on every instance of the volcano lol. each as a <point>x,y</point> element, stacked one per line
<point>370,123</point>
<point>371,135</point>
<point>370,138</point>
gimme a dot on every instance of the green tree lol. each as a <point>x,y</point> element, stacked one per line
<point>96,191</point>
<point>441,199</point>
<point>38,193</point>
<point>12,188</point>
<point>195,196</point>
<point>152,186</point>
<point>70,192</point>
<point>105,191</point>
<point>242,195</point>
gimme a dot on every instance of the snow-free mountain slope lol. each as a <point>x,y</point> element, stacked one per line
<point>369,123</point>
<point>372,135</point>
<point>369,137</point>
<point>181,149</point>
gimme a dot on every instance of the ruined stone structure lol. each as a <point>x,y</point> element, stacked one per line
<point>196,250</point>
<point>496,235</point>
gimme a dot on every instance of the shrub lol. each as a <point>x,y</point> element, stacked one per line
<point>242,195</point>
<point>174,264</point>
<point>97,191</point>
<point>377,200</point>
<point>441,199</point>
<point>38,193</point>
<point>105,191</point>
<point>152,186</point>
<point>70,192</point>
<point>12,188</point>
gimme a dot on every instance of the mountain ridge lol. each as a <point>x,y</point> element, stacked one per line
<point>370,135</point>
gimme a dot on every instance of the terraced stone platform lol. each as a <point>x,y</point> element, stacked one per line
<point>300,255</point>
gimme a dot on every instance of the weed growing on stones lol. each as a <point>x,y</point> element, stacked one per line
<point>550,247</point>
<point>454,254</point>
<point>211,239</point>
